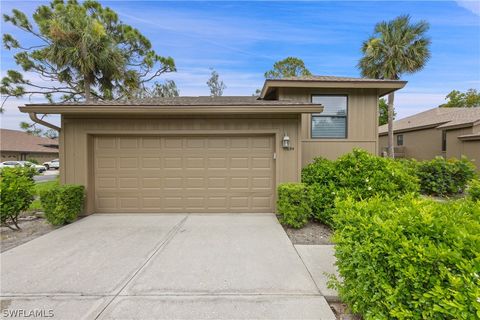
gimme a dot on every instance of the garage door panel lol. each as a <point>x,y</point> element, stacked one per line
<point>151,162</point>
<point>184,174</point>
<point>128,143</point>
<point>128,163</point>
<point>151,143</point>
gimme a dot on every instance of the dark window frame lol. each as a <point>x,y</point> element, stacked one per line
<point>320,115</point>
<point>400,136</point>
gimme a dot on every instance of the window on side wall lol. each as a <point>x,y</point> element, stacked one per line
<point>400,140</point>
<point>332,122</point>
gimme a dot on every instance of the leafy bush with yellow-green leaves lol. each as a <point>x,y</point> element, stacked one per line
<point>473,190</point>
<point>357,174</point>
<point>293,204</point>
<point>62,203</point>
<point>16,194</point>
<point>409,258</point>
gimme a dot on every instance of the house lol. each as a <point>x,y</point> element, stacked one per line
<point>19,145</point>
<point>212,154</point>
<point>447,132</point>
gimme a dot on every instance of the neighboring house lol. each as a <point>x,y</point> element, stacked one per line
<point>447,132</point>
<point>212,154</point>
<point>19,145</point>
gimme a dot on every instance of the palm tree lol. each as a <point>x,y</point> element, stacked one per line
<point>396,47</point>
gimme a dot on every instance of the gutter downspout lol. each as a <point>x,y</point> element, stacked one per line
<point>36,119</point>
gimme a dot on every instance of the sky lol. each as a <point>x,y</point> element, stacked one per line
<point>242,39</point>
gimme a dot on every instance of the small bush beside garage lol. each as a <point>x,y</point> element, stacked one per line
<point>16,194</point>
<point>293,204</point>
<point>409,258</point>
<point>62,204</point>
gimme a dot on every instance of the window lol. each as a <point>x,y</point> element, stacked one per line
<point>444,141</point>
<point>400,140</point>
<point>332,122</point>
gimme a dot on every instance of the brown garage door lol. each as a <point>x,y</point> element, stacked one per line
<point>184,173</point>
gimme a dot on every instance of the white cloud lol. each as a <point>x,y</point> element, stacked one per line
<point>471,5</point>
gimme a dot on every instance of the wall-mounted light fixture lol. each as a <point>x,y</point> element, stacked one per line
<point>286,144</point>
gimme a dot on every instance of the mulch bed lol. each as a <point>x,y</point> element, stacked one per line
<point>312,233</point>
<point>341,311</point>
<point>32,226</point>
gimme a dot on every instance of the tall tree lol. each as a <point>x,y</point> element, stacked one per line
<point>83,52</point>
<point>288,67</point>
<point>32,130</point>
<point>457,99</point>
<point>167,89</point>
<point>383,112</point>
<point>396,47</point>
<point>215,85</point>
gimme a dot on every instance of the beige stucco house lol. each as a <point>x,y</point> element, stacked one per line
<point>447,132</point>
<point>19,145</point>
<point>204,154</point>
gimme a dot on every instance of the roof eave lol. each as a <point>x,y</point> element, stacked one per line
<point>456,126</point>
<point>171,110</point>
<point>384,87</point>
<point>469,137</point>
<point>430,126</point>
<point>31,151</point>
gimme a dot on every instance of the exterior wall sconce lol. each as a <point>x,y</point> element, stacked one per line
<point>286,144</point>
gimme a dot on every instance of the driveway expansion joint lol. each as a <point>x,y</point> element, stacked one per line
<point>158,248</point>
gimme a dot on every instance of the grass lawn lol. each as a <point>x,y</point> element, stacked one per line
<point>36,205</point>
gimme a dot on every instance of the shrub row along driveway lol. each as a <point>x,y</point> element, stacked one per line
<point>163,266</point>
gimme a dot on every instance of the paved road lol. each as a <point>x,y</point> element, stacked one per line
<point>163,266</point>
<point>48,175</point>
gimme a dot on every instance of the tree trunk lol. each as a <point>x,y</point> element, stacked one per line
<point>87,82</point>
<point>391,150</point>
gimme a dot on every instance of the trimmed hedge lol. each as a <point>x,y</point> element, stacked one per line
<point>357,174</point>
<point>293,204</point>
<point>16,193</point>
<point>62,204</point>
<point>444,177</point>
<point>409,258</point>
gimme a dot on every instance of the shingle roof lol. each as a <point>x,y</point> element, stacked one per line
<point>191,101</point>
<point>437,117</point>
<point>334,79</point>
<point>13,140</point>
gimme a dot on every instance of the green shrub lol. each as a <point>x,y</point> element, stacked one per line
<point>34,161</point>
<point>16,194</point>
<point>365,175</point>
<point>320,171</point>
<point>62,204</point>
<point>357,174</point>
<point>441,177</point>
<point>473,190</point>
<point>293,204</point>
<point>409,258</point>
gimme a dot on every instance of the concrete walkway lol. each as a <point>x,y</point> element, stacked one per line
<point>320,262</point>
<point>131,266</point>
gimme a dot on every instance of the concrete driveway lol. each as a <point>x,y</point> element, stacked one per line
<point>149,266</point>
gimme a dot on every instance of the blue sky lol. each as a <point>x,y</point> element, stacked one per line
<point>242,40</point>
